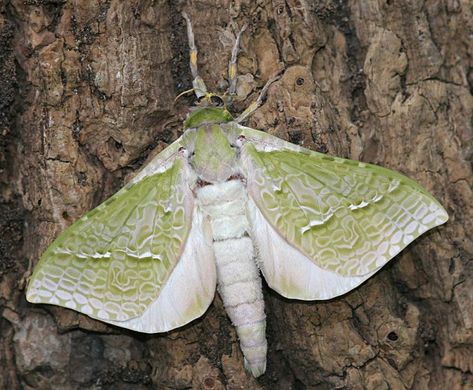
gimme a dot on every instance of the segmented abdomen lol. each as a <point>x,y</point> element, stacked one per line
<point>239,282</point>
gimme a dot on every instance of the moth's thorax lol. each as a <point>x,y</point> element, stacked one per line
<point>206,115</point>
<point>214,159</point>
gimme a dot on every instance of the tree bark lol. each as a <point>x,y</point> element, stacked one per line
<point>87,97</point>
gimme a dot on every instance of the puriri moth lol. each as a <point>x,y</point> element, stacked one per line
<point>221,204</point>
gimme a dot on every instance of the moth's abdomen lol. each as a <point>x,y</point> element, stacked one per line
<point>239,282</point>
<point>239,285</point>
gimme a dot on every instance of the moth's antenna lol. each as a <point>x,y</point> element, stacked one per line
<point>199,86</point>
<point>183,93</point>
<point>232,65</point>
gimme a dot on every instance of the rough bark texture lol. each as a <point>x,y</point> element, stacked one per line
<point>86,97</point>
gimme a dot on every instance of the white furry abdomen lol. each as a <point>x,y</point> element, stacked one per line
<point>239,282</point>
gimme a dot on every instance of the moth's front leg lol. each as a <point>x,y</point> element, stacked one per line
<point>258,102</point>
<point>200,88</point>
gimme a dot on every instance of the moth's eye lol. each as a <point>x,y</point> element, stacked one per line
<point>300,81</point>
<point>216,101</point>
<point>200,99</point>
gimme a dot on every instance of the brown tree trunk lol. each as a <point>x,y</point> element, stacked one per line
<point>87,94</point>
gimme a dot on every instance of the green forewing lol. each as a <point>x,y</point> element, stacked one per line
<point>112,263</point>
<point>346,216</point>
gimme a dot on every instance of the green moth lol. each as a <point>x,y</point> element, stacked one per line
<point>219,205</point>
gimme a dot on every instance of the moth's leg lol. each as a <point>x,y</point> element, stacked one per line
<point>199,86</point>
<point>232,65</point>
<point>258,102</point>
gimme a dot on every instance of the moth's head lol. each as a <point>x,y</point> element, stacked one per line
<point>211,100</point>
<point>208,99</point>
<point>209,108</point>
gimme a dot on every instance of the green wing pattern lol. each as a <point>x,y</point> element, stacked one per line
<point>346,216</point>
<point>112,263</point>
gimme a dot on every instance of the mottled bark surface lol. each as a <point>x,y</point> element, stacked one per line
<point>86,97</point>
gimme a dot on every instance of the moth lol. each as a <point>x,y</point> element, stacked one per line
<point>216,207</point>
